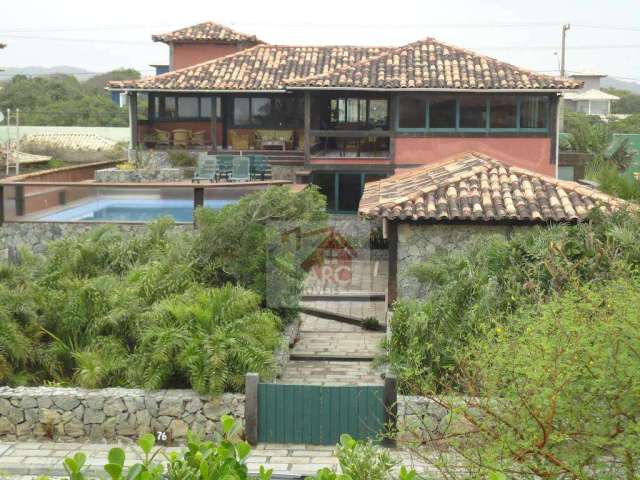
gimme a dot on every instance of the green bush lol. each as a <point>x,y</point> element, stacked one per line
<point>185,309</point>
<point>553,393</point>
<point>475,290</point>
<point>226,458</point>
<point>182,159</point>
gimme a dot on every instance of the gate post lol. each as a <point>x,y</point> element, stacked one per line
<point>390,410</point>
<point>251,407</point>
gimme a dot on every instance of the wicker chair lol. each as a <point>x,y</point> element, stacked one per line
<point>181,137</point>
<point>198,138</point>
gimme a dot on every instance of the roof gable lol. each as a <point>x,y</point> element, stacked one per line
<point>205,32</point>
<point>475,187</point>
<point>430,64</point>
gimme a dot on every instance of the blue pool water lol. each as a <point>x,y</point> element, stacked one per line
<point>128,210</point>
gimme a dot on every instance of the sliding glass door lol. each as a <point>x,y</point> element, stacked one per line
<point>343,189</point>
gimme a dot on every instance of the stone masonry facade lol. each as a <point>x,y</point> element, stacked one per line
<point>115,175</point>
<point>37,235</point>
<point>418,242</point>
<point>74,414</point>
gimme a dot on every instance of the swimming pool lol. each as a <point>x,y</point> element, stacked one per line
<point>128,210</point>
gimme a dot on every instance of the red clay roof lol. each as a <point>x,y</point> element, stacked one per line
<point>426,64</point>
<point>475,187</point>
<point>431,64</point>
<point>205,32</point>
<point>263,67</point>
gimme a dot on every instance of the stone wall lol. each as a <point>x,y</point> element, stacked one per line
<point>115,175</point>
<point>74,414</point>
<point>421,419</point>
<point>285,172</point>
<point>417,242</point>
<point>36,235</point>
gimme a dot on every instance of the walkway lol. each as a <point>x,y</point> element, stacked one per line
<point>334,348</point>
<point>32,459</point>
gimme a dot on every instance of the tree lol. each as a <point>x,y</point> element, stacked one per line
<point>554,392</point>
<point>64,100</point>
<point>629,102</point>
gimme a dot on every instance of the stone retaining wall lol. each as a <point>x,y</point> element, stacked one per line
<point>115,175</point>
<point>421,419</point>
<point>36,235</point>
<point>74,414</point>
<point>417,242</point>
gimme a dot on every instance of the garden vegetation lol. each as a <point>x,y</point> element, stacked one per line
<point>166,309</point>
<point>533,344</point>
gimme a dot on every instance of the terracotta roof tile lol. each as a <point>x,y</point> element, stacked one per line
<point>263,67</point>
<point>205,32</point>
<point>427,64</point>
<point>431,64</point>
<point>475,187</point>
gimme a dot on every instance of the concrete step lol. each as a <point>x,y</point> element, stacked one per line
<point>353,296</point>
<point>338,317</point>
<point>312,357</point>
<point>330,372</point>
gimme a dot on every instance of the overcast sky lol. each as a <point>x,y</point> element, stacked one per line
<point>101,36</point>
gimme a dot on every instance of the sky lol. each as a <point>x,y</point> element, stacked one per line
<point>100,36</point>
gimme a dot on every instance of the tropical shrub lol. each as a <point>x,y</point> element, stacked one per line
<point>475,290</point>
<point>553,393</point>
<point>225,458</point>
<point>187,309</point>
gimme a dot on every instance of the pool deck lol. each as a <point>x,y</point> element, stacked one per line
<point>181,184</point>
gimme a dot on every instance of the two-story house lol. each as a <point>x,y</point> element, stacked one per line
<point>340,116</point>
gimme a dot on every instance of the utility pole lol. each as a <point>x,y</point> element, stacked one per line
<point>565,27</point>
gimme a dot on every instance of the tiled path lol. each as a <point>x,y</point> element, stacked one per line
<point>22,458</point>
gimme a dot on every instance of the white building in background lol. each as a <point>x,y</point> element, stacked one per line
<point>589,99</point>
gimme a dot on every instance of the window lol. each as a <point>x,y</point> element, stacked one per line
<point>349,191</point>
<point>326,183</point>
<point>170,110</point>
<point>413,112</point>
<point>504,112</point>
<point>188,107</point>
<point>473,112</point>
<point>534,112</point>
<point>260,112</point>
<point>241,111</point>
<point>343,190</point>
<point>206,107</point>
<point>338,110</point>
<point>378,113</point>
<point>288,112</point>
<point>442,113</point>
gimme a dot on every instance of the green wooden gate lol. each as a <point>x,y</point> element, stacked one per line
<point>319,414</point>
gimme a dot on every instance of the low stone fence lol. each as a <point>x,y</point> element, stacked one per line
<point>421,419</point>
<point>146,175</point>
<point>37,235</point>
<point>74,414</point>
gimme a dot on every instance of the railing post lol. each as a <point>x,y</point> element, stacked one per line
<point>1,204</point>
<point>19,189</point>
<point>251,407</point>
<point>390,410</point>
<point>198,201</point>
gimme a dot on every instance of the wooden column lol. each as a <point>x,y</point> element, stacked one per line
<point>251,407</point>
<point>1,205</point>
<point>392,276</point>
<point>307,127</point>
<point>390,410</point>
<point>393,111</point>
<point>554,125</point>
<point>214,124</point>
<point>133,119</point>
